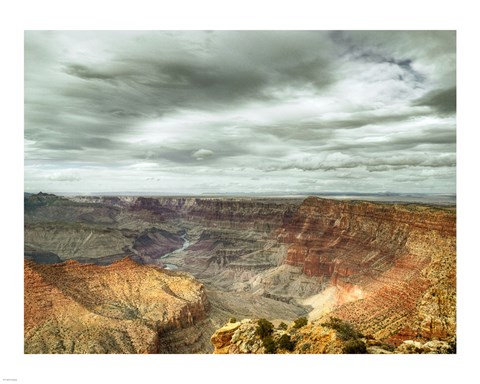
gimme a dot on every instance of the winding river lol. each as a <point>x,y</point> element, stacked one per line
<point>185,245</point>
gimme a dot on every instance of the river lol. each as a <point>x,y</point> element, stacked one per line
<point>185,245</point>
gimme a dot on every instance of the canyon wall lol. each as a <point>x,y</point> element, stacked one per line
<point>389,269</point>
<point>227,237</point>
<point>388,274</point>
<point>121,308</point>
<point>393,265</point>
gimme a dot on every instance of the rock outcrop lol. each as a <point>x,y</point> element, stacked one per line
<point>120,308</point>
<point>242,338</point>
<point>330,337</point>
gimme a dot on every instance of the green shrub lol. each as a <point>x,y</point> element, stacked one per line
<point>285,342</point>
<point>233,320</point>
<point>300,322</point>
<point>354,346</point>
<point>452,347</point>
<point>283,326</point>
<point>345,330</point>
<point>269,345</point>
<point>306,347</point>
<point>264,328</point>
<point>388,347</point>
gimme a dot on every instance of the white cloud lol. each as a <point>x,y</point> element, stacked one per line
<point>204,112</point>
<point>202,154</point>
<point>63,177</point>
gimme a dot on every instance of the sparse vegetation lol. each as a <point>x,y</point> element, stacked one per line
<point>283,326</point>
<point>345,330</point>
<point>347,333</point>
<point>388,347</point>
<point>453,347</point>
<point>300,322</point>
<point>269,345</point>
<point>264,328</point>
<point>285,342</point>
<point>306,347</point>
<point>354,346</point>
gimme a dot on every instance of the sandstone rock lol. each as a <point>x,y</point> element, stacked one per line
<point>376,350</point>
<point>224,337</point>
<point>430,347</point>
<point>393,266</point>
<point>120,308</point>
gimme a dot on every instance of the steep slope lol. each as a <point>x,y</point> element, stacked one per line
<point>393,266</point>
<point>120,308</point>
<point>389,270</point>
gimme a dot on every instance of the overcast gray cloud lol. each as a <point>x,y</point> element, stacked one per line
<point>227,111</point>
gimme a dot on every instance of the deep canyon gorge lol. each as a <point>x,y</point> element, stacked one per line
<point>126,274</point>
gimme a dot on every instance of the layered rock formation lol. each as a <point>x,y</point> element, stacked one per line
<point>223,242</point>
<point>120,308</point>
<point>393,266</point>
<point>387,269</point>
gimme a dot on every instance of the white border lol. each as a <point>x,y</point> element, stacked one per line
<point>247,14</point>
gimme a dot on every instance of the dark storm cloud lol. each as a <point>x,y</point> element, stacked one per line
<point>438,135</point>
<point>212,104</point>
<point>442,100</point>
<point>108,98</point>
<point>236,67</point>
<point>204,82</point>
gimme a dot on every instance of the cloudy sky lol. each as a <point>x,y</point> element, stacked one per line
<point>240,112</point>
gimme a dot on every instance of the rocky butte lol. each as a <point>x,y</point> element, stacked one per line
<point>382,275</point>
<point>121,308</point>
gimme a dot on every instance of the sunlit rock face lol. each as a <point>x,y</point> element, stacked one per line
<point>121,308</point>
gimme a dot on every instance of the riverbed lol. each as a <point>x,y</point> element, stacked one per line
<point>185,245</point>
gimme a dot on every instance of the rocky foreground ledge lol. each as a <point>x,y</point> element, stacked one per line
<point>121,308</point>
<point>333,336</point>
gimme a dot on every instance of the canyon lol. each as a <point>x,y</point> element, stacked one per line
<point>164,274</point>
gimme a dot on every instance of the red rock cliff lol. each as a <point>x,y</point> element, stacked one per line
<point>120,308</point>
<point>239,213</point>
<point>394,265</point>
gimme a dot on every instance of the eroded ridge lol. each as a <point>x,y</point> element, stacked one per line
<point>120,308</point>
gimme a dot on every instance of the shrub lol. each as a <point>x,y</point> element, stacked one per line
<point>300,322</point>
<point>283,326</point>
<point>269,345</point>
<point>354,346</point>
<point>306,347</point>
<point>452,347</point>
<point>233,320</point>
<point>264,328</point>
<point>388,347</point>
<point>345,330</point>
<point>285,342</point>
